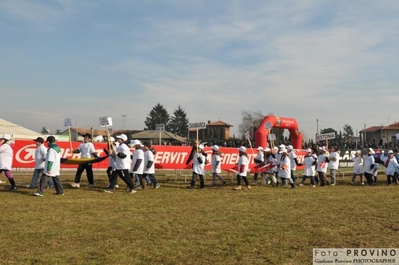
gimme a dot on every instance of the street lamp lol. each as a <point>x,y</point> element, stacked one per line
<point>123,122</point>
<point>91,130</point>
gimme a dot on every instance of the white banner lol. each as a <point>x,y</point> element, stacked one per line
<point>197,125</point>
<point>160,127</point>
<point>68,122</point>
<point>325,136</point>
<point>268,125</point>
<point>105,121</point>
<point>271,137</point>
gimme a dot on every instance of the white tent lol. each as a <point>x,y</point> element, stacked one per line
<point>16,131</point>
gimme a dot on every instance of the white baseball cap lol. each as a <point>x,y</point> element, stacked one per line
<point>112,139</point>
<point>281,146</point>
<point>275,148</point>
<point>390,152</point>
<point>308,150</point>
<point>122,136</point>
<point>371,150</point>
<point>283,150</point>
<point>290,147</point>
<point>267,149</point>
<point>357,152</point>
<point>135,142</point>
<point>242,149</point>
<point>215,147</point>
<point>6,136</point>
<point>260,148</point>
<point>201,146</point>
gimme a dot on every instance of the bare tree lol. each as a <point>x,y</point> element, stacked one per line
<point>250,122</point>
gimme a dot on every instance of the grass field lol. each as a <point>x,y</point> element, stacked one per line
<point>175,225</point>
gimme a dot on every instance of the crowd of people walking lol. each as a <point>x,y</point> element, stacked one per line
<point>276,166</point>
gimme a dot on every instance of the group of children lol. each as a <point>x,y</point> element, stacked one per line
<point>275,165</point>
<point>366,167</point>
<point>135,170</point>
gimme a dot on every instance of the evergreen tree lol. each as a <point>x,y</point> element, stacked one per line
<point>178,124</point>
<point>158,115</point>
<point>348,132</point>
<point>45,130</point>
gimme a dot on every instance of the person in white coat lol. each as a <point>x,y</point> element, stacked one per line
<point>309,161</point>
<point>294,161</point>
<point>259,159</point>
<point>358,168</point>
<point>137,168</point>
<point>268,175</point>
<point>322,164</point>
<point>149,165</point>
<point>284,168</point>
<point>198,156</point>
<point>111,152</point>
<point>217,165</point>
<point>333,164</point>
<point>369,164</point>
<point>86,150</point>
<point>52,167</point>
<point>122,166</point>
<point>242,168</point>
<point>6,155</point>
<point>391,165</point>
<point>40,158</point>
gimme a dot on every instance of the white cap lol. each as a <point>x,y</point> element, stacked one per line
<point>267,149</point>
<point>308,150</point>
<point>371,150</point>
<point>242,149</point>
<point>135,142</point>
<point>357,152</point>
<point>290,147</point>
<point>201,146</point>
<point>6,136</point>
<point>260,148</point>
<point>122,136</point>
<point>215,147</point>
<point>112,139</point>
<point>281,146</point>
<point>275,148</point>
<point>283,150</point>
<point>390,152</point>
<point>322,148</point>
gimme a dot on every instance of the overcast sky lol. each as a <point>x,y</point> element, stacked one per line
<point>332,61</point>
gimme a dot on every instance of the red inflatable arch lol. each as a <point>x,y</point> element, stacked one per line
<point>278,122</point>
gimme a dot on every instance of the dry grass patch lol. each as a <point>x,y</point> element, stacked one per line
<point>174,225</point>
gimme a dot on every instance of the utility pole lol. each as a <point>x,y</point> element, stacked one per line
<point>123,117</point>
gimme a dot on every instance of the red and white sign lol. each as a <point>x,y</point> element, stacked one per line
<point>166,157</point>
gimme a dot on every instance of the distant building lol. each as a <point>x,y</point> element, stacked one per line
<point>17,131</point>
<point>218,130</point>
<point>380,134</point>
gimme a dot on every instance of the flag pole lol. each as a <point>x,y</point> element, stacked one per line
<point>70,138</point>
<point>197,141</point>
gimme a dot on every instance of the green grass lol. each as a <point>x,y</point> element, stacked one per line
<point>174,225</point>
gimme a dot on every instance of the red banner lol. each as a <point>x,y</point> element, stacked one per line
<point>166,157</point>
